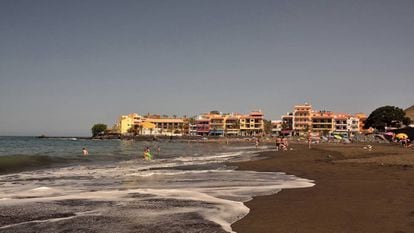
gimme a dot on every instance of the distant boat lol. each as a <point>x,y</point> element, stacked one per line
<point>42,136</point>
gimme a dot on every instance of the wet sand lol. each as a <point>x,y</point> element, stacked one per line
<point>356,191</point>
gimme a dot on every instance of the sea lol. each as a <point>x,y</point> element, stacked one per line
<point>48,185</point>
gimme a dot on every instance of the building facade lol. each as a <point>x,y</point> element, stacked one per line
<point>277,127</point>
<point>134,124</point>
<point>233,124</point>
<point>341,123</point>
<point>166,126</point>
<point>304,119</point>
<point>322,122</point>
<point>252,124</point>
<point>127,123</point>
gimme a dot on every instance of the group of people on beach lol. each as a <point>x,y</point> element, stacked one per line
<point>405,142</point>
<point>282,143</point>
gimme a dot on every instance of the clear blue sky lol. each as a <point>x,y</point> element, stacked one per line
<point>65,65</point>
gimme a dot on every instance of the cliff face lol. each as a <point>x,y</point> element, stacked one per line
<point>410,112</point>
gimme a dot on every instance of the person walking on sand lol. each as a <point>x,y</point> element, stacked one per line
<point>84,151</point>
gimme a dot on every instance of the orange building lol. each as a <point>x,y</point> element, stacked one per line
<point>302,118</point>
<point>362,119</point>
<point>322,122</point>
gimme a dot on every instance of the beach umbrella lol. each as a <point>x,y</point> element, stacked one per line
<point>401,136</point>
<point>337,136</point>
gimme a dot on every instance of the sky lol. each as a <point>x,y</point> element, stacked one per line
<point>68,64</point>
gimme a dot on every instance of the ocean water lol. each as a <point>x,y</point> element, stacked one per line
<point>47,185</point>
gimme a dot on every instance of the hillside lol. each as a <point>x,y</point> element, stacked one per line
<point>410,112</point>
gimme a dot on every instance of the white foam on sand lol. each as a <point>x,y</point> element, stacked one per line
<point>175,172</point>
<point>216,157</point>
<point>225,212</point>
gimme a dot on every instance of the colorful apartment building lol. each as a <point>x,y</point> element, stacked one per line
<point>341,123</point>
<point>322,122</point>
<point>202,123</point>
<point>230,124</point>
<point>252,124</point>
<point>304,118</point>
<point>217,125</point>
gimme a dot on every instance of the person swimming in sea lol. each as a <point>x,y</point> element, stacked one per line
<point>84,151</point>
<point>147,153</point>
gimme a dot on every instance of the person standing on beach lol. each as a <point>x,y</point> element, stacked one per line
<point>257,142</point>
<point>84,151</point>
<point>285,144</point>
<point>278,142</point>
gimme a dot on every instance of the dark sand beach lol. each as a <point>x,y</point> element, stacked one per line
<point>356,190</point>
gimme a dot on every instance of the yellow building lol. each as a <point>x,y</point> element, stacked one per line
<point>127,122</point>
<point>139,125</point>
<point>252,124</point>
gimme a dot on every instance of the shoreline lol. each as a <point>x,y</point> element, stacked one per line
<point>356,190</point>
